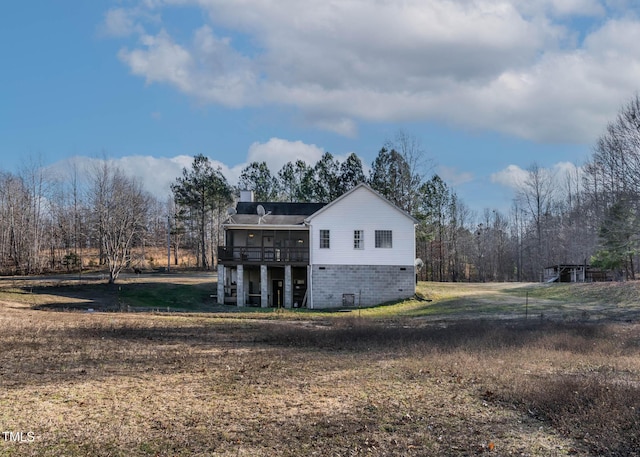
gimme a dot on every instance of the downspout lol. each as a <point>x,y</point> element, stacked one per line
<point>310,267</point>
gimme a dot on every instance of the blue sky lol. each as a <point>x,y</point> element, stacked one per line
<point>486,86</point>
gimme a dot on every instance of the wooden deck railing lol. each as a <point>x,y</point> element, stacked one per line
<point>251,254</point>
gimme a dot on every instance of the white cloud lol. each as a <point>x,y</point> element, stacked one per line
<point>157,174</point>
<point>208,69</point>
<point>512,176</point>
<point>513,66</point>
<point>453,176</point>
<point>120,22</point>
<point>277,152</point>
<point>564,168</point>
<point>562,8</point>
<point>124,22</point>
<point>342,126</point>
<point>163,61</point>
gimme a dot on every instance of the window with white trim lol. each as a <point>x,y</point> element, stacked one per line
<point>325,239</point>
<point>384,239</point>
<point>358,239</point>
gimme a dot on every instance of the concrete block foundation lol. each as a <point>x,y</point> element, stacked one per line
<point>364,285</point>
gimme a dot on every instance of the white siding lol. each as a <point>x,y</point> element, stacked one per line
<point>362,210</point>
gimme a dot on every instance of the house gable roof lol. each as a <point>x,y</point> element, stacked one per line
<point>368,188</point>
<point>291,214</point>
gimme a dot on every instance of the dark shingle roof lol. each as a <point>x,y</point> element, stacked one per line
<point>245,219</point>
<point>279,208</point>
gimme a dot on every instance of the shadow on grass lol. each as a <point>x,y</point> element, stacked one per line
<point>85,351</point>
<point>124,296</point>
<point>100,348</point>
<point>353,334</point>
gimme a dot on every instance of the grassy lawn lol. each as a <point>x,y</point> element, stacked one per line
<point>464,374</point>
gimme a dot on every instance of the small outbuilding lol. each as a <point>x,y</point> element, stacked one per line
<point>574,273</point>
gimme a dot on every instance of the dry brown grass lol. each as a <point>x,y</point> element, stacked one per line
<point>112,384</point>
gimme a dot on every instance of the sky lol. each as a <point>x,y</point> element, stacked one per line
<point>486,87</point>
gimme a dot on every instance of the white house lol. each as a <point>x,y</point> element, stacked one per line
<point>357,250</point>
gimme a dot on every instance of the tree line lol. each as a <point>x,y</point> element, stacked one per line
<point>48,223</point>
<point>588,214</point>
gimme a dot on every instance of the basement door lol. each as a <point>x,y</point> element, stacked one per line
<point>278,293</point>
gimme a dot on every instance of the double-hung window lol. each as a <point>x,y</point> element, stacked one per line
<point>384,239</point>
<point>358,239</point>
<point>325,239</point>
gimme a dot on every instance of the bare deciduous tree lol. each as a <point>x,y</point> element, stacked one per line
<point>412,167</point>
<point>536,196</point>
<point>120,207</point>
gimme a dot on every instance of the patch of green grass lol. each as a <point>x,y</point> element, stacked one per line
<point>560,292</point>
<point>161,296</point>
<point>620,293</point>
<point>437,301</point>
<point>443,308</point>
<point>14,295</point>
